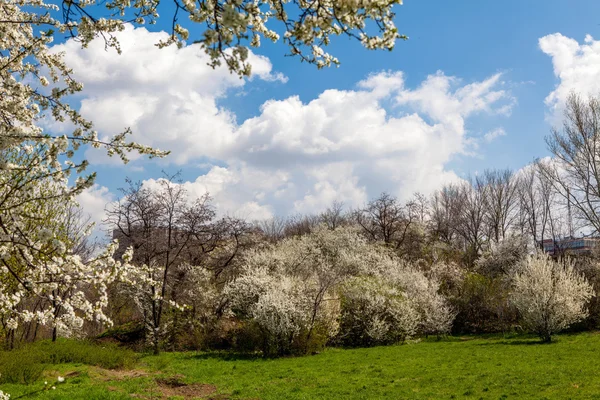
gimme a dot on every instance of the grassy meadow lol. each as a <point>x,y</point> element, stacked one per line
<point>494,367</point>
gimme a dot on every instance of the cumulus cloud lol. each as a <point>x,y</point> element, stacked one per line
<point>167,96</point>
<point>294,156</point>
<point>576,65</point>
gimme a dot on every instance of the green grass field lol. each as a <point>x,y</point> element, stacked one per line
<point>456,368</point>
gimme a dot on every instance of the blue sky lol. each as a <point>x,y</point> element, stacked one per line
<point>254,146</point>
<point>467,39</point>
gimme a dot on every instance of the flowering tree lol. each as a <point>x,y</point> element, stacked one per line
<point>228,27</point>
<point>550,295</point>
<point>42,279</point>
<point>28,27</point>
<point>37,260</point>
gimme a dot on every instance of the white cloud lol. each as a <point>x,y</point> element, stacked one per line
<point>347,146</point>
<point>93,201</point>
<point>167,96</point>
<point>494,134</point>
<point>294,156</point>
<point>576,65</point>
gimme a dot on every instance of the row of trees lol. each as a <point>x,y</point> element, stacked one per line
<point>375,275</point>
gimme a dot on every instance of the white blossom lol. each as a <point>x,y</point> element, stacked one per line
<point>550,295</point>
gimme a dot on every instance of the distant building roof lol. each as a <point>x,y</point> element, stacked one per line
<point>569,245</point>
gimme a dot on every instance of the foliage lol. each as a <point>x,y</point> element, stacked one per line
<point>483,305</point>
<point>550,295</point>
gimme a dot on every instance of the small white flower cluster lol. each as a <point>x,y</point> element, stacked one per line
<point>48,386</point>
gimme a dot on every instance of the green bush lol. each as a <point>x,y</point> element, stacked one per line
<point>105,355</point>
<point>26,364</point>
<point>483,306</point>
<point>20,366</point>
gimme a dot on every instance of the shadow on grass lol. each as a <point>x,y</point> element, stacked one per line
<point>227,356</point>
<point>518,342</point>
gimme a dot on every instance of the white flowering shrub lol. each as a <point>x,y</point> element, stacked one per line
<point>332,284</point>
<point>290,289</point>
<point>550,295</point>
<point>435,314</point>
<point>374,311</point>
<point>275,303</point>
<point>395,300</point>
<point>503,258</point>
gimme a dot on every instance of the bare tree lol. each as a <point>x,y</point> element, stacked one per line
<point>220,249</point>
<point>334,216</point>
<point>575,170</point>
<point>543,215</point>
<point>500,202</point>
<point>272,229</point>
<point>446,207</point>
<point>165,231</point>
<point>385,219</point>
<point>298,225</point>
<point>471,223</point>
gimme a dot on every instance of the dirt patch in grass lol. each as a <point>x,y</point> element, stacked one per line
<point>117,374</point>
<point>174,386</point>
<point>193,391</point>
